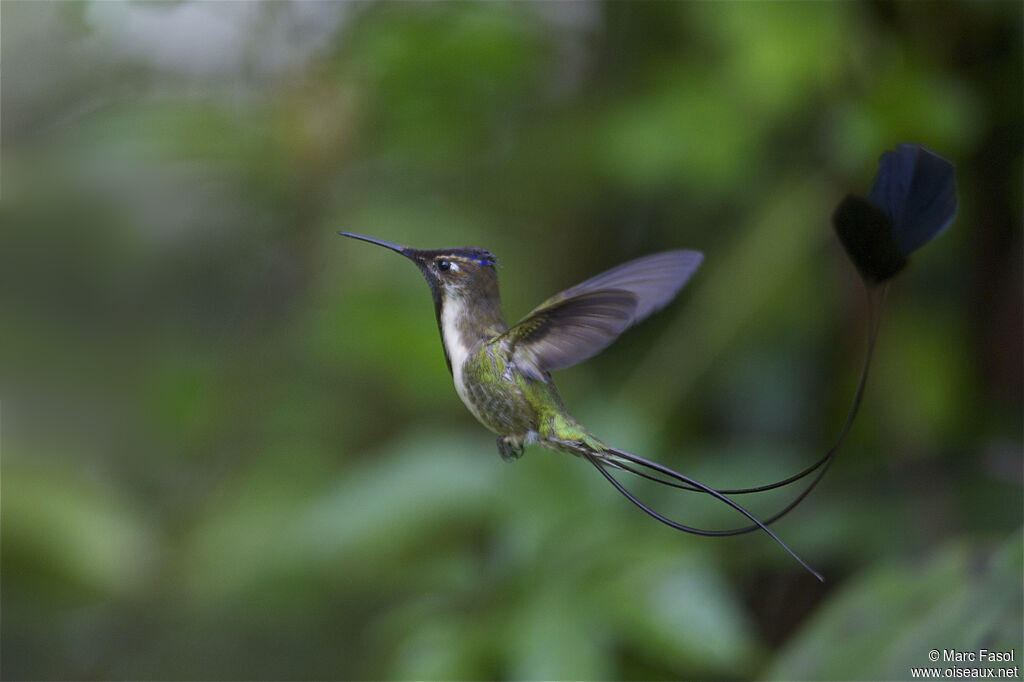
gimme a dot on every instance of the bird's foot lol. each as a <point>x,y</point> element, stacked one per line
<point>510,449</point>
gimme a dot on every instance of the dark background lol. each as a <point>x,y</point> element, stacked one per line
<point>231,448</point>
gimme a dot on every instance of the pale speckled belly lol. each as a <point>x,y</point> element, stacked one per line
<point>496,398</point>
<point>501,407</point>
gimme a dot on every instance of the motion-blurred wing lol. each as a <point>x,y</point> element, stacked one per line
<point>580,322</point>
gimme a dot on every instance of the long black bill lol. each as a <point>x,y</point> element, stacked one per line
<point>379,242</point>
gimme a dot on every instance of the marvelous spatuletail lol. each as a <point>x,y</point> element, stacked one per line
<point>503,374</point>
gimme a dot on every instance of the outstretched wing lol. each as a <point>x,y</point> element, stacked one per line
<point>580,322</point>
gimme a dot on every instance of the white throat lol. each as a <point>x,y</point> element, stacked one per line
<point>458,350</point>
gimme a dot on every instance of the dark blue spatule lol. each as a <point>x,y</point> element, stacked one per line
<point>912,200</point>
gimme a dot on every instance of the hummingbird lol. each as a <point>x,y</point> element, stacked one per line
<point>502,373</point>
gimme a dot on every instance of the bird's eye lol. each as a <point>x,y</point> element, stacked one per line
<point>444,265</point>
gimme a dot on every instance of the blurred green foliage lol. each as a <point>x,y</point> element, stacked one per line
<point>231,448</point>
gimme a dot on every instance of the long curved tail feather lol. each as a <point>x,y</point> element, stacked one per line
<point>608,457</point>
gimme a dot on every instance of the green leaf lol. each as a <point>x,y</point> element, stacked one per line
<point>71,535</point>
<point>888,619</point>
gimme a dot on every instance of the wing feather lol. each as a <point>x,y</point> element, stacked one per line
<point>583,320</point>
